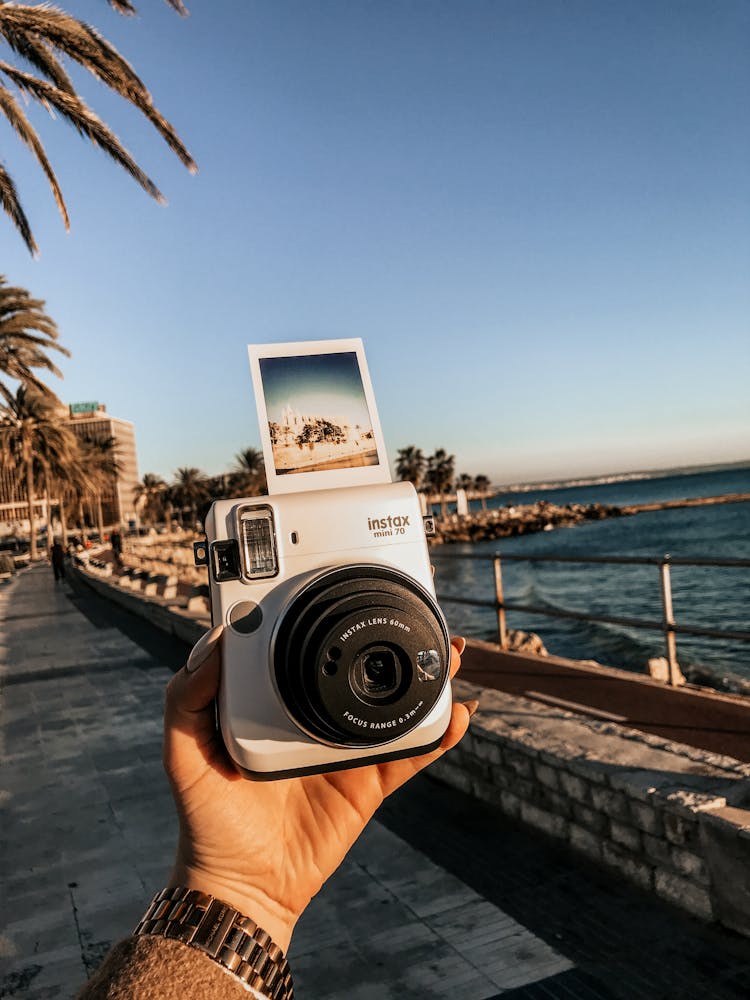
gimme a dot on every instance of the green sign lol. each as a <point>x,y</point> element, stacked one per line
<point>83,408</point>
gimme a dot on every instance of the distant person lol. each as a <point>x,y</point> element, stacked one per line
<point>58,561</point>
<point>115,540</point>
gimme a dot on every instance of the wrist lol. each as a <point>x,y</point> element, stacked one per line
<point>219,931</point>
<point>275,919</point>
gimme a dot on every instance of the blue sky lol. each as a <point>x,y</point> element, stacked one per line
<point>536,214</point>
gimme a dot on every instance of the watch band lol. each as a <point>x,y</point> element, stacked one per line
<point>222,933</point>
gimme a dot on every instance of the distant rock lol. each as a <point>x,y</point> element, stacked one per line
<point>658,668</point>
<point>525,642</point>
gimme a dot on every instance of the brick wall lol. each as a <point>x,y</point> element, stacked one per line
<point>670,818</point>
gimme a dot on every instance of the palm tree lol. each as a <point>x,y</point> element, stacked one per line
<point>26,334</point>
<point>150,494</point>
<point>441,469</point>
<point>482,485</point>
<point>71,479</point>
<point>30,426</point>
<point>248,477</point>
<point>410,465</point>
<point>41,34</point>
<point>99,458</point>
<point>190,489</point>
<point>57,460</point>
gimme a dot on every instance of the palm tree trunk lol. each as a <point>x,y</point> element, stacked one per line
<point>48,502</point>
<point>81,519</point>
<point>99,516</point>
<point>32,523</point>
<point>63,525</point>
<point>90,509</point>
<point>483,498</point>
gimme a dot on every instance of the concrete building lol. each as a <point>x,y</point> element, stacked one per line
<point>91,421</point>
<point>87,421</point>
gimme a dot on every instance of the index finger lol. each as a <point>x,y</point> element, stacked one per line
<point>458,644</point>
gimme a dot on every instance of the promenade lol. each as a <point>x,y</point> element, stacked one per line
<point>441,897</point>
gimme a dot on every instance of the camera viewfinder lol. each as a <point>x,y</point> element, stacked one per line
<point>225,560</point>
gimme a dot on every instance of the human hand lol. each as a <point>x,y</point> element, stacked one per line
<point>266,848</point>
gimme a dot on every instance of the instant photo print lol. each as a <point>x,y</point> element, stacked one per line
<point>335,650</point>
<point>318,419</point>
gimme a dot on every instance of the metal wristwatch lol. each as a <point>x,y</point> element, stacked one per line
<point>222,933</point>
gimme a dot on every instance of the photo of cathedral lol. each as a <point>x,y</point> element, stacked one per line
<point>317,413</point>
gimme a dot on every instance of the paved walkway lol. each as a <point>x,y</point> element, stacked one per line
<point>441,897</point>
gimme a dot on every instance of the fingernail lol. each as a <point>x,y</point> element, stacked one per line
<point>203,649</point>
<point>460,643</point>
<point>471,706</point>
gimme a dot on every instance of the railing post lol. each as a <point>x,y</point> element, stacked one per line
<point>669,636</point>
<point>501,630</point>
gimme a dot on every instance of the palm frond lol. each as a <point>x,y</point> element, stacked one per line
<point>86,46</point>
<point>27,134</point>
<point>42,35</point>
<point>36,52</point>
<point>179,6</point>
<point>122,7</point>
<point>26,334</point>
<point>75,111</point>
<point>15,330</point>
<point>20,367</point>
<point>18,324</point>
<point>12,206</point>
<point>128,8</point>
<point>14,299</point>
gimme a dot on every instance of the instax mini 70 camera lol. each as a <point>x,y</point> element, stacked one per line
<point>336,653</point>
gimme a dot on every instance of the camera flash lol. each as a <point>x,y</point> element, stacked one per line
<point>258,542</point>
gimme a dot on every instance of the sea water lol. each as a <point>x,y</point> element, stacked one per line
<point>709,597</point>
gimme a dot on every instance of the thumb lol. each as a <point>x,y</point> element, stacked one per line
<point>189,712</point>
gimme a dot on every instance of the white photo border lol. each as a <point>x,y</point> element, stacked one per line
<point>330,478</point>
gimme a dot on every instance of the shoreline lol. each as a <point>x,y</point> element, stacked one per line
<point>522,519</point>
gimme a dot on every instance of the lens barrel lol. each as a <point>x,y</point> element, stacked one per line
<point>347,655</point>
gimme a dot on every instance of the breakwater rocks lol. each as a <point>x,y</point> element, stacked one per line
<point>522,519</point>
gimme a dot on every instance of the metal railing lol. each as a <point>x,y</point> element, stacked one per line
<point>667,625</point>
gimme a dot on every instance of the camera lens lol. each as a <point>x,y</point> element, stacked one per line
<point>380,622</point>
<point>379,672</point>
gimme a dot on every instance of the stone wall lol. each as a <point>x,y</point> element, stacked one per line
<point>188,625</point>
<point>673,819</point>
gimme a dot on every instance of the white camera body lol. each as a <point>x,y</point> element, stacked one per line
<point>335,652</point>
